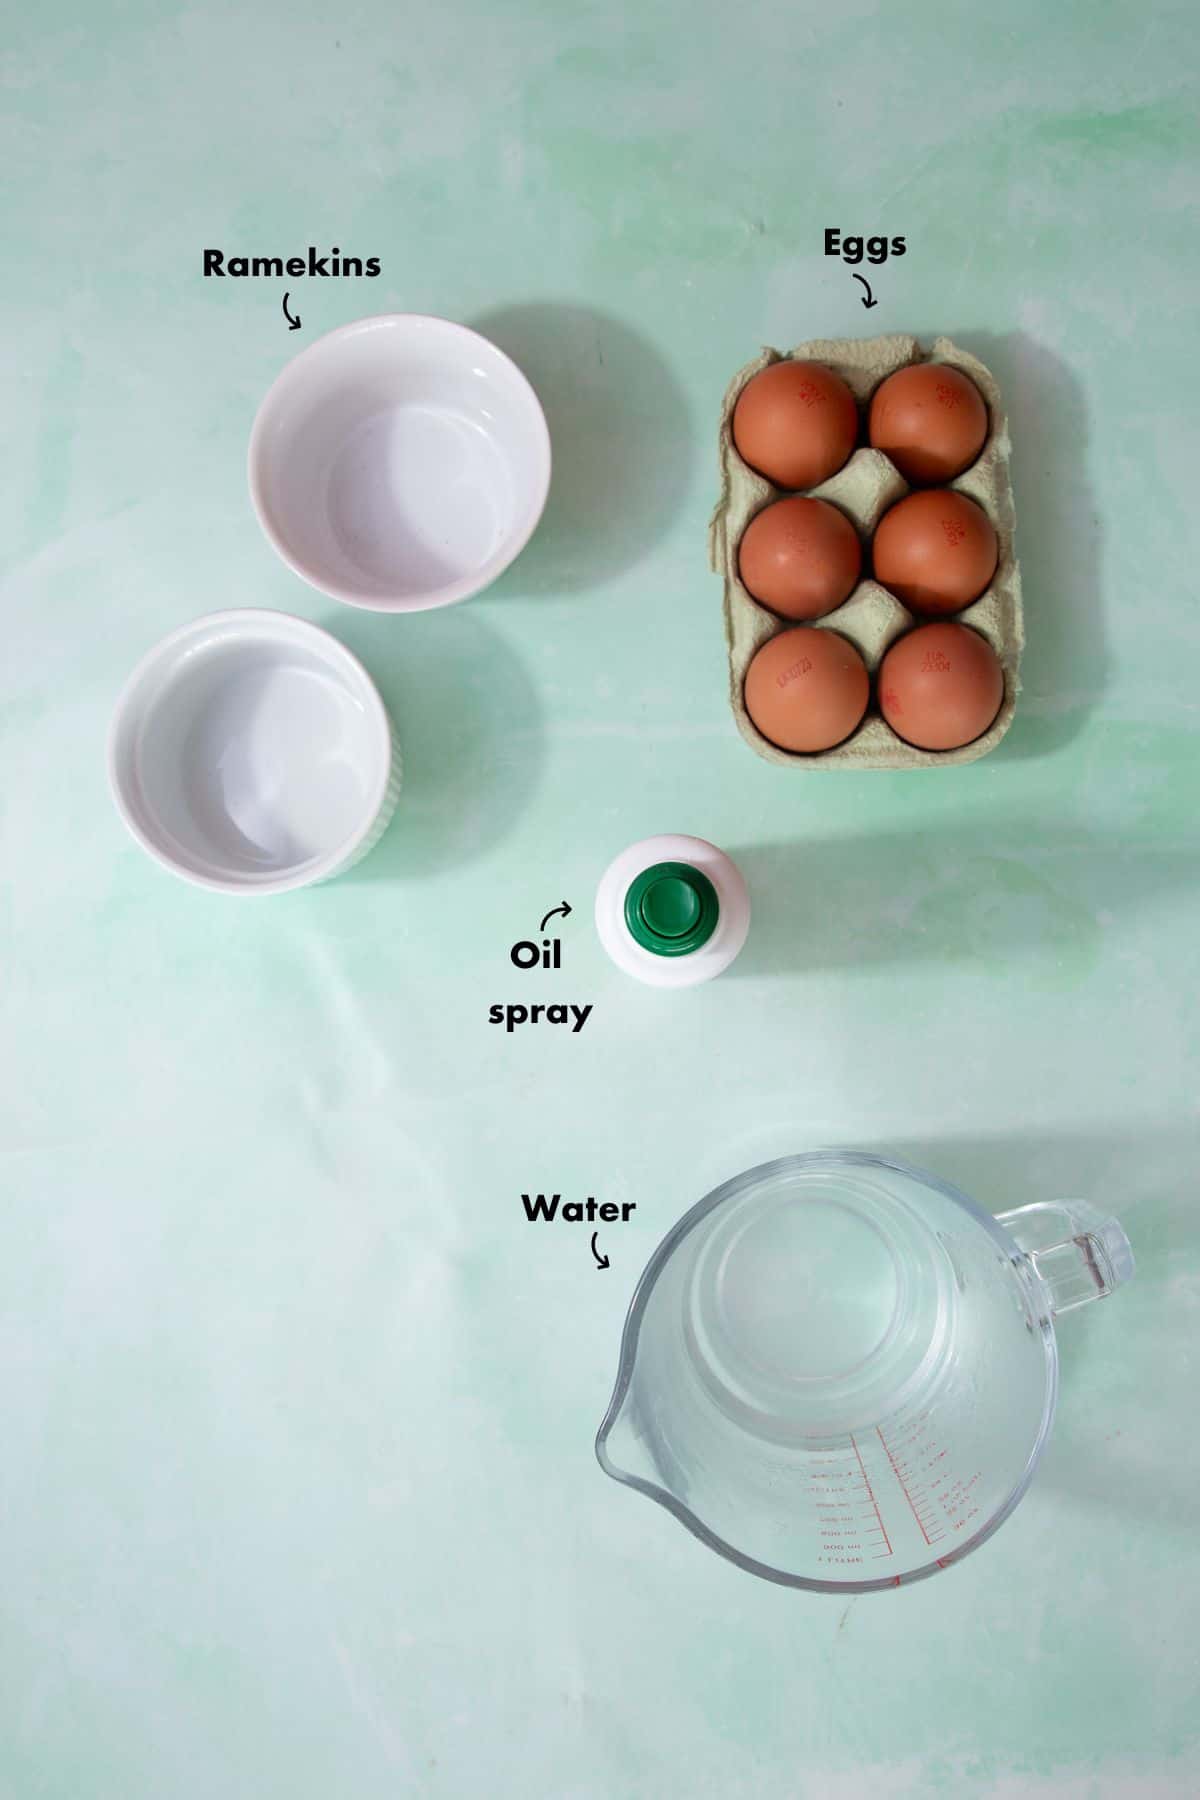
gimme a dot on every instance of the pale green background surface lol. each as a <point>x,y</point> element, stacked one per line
<point>297,1494</point>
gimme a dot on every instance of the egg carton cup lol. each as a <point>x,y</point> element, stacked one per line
<point>872,618</point>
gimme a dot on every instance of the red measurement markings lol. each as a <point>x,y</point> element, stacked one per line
<point>904,1489</point>
<point>874,1502</point>
<point>956,1501</point>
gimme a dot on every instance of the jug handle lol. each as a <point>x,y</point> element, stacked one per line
<point>1079,1253</point>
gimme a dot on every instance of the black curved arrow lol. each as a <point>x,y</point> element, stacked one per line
<point>564,909</point>
<point>601,1261</point>
<point>868,301</point>
<point>293,324</point>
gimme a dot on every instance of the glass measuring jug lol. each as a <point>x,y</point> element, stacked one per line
<point>840,1372</point>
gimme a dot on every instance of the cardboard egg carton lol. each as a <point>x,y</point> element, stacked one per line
<point>864,489</point>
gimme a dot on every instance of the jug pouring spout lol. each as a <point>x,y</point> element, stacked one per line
<point>622,1449</point>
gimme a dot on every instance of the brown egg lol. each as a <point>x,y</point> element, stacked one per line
<point>940,686</point>
<point>796,423</point>
<point>931,421</point>
<point>936,551</point>
<point>807,689</point>
<point>800,557</point>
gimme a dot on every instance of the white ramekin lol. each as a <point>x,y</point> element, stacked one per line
<point>400,463</point>
<point>250,753</point>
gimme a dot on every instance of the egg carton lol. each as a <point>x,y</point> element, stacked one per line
<point>872,618</point>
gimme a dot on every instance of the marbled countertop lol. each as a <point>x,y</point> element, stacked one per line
<point>297,1494</point>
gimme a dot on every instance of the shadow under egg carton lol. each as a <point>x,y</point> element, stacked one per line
<point>872,618</point>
